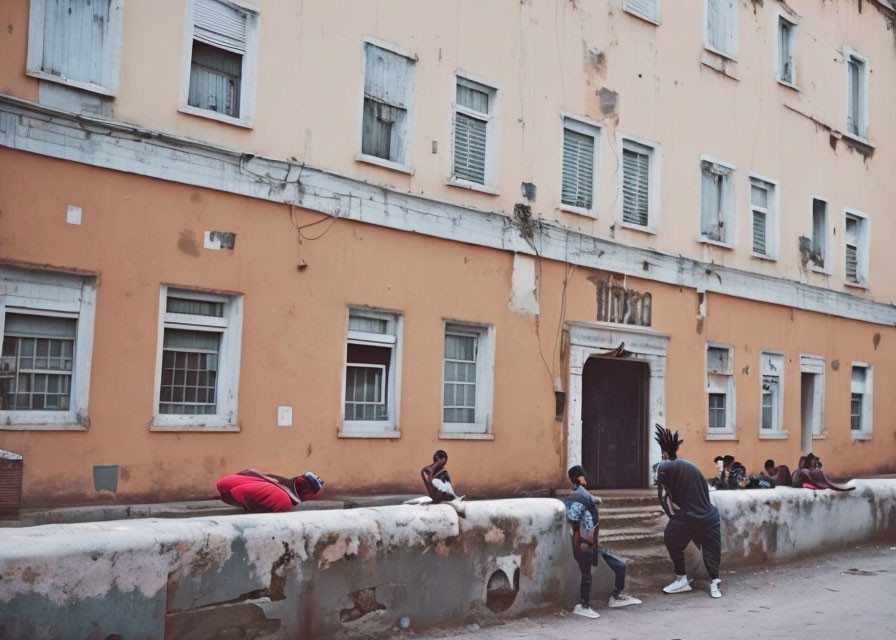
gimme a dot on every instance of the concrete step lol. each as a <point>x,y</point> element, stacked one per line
<point>618,498</point>
<point>631,517</point>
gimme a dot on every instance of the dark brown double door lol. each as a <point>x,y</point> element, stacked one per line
<point>614,422</point>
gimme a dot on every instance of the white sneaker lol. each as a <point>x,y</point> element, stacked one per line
<point>680,585</point>
<point>622,600</point>
<point>587,612</point>
<point>714,588</point>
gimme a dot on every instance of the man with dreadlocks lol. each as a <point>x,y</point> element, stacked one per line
<point>684,496</point>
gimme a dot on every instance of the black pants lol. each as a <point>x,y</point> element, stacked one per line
<point>706,534</point>
<point>587,559</point>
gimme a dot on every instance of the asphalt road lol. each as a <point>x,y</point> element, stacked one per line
<point>847,595</point>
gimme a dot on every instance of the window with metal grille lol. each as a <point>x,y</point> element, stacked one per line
<point>467,370</point>
<point>720,388</point>
<point>856,72</point>
<point>474,106</point>
<point>786,30</point>
<point>189,372</point>
<point>636,183</point>
<point>370,371</point>
<point>388,86</point>
<point>717,417</point>
<point>762,205</point>
<point>819,231</point>
<point>76,42</point>
<point>578,169</point>
<point>37,362</point>
<point>216,65</point>
<point>772,369</point>
<point>860,401</point>
<point>855,412</point>
<point>716,199</point>
<point>721,26</point>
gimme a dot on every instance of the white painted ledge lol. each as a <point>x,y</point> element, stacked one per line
<point>466,436</point>
<point>393,435</point>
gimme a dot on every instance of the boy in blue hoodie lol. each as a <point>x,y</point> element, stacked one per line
<point>581,513</point>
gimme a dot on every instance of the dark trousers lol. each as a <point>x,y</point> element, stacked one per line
<point>587,559</point>
<point>706,535</point>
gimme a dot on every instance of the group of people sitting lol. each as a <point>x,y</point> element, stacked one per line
<point>808,475</point>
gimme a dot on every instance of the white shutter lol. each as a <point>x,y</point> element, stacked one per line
<point>644,8</point>
<point>387,76</point>
<point>720,24</point>
<point>858,380</point>
<point>852,116</point>
<point>469,148</point>
<point>74,36</point>
<point>759,224</point>
<point>710,203</point>
<point>635,183</point>
<point>220,25</point>
<point>578,169</point>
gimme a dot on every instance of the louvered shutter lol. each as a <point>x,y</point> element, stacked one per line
<point>578,169</point>
<point>852,263</point>
<point>635,183</point>
<point>220,25</point>
<point>643,8</point>
<point>759,224</point>
<point>469,148</point>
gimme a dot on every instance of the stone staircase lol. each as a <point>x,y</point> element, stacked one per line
<point>631,527</point>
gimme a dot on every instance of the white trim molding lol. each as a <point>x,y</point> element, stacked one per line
<point>27,126</point>
<point>594,339</point>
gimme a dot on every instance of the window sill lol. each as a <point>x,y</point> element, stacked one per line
<point>715,243</point>
<point>718,61</point>
<point>860,436</point>
<point>637,227</point>
<point>857,139</point>
<point>766,258</point>
<point>214,115</point>
<point>84,86</point>
<point>465,436</point>
<point>386,164</point>
<point>652,21</point>
<point>780,435</point>
<point>726,435</point>
<point>211,426</point>
<point>820,436</point>
<point>393,435</point>
<point>820,271</point>
<point>579,211</point>
<point>43,426</point>
<point>856,285</point>
<point>472,186</point>
<point>789,85</point>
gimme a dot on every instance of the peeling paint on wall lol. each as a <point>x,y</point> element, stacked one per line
<point>608,102</point>
<point>523,295</point>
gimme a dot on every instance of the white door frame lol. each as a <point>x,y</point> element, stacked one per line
<point>587,339</point>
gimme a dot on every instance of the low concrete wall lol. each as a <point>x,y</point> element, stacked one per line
<point>296,575</point>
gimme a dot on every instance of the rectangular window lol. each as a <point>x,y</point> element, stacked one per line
<point>716,202</point>
<point>721,27</point>
<point>369,402</point>
<point>222,49</point>
<point>771,385</point>
<point>46,321</point>
<point>720,389</point>
<point>388,91</point>
<point>786,33</point>
<point>468,369</point>
<point>764,209</point>
<point>474,110</point>
<point>647,9</point>
<point>76,42</point>
<point>857,89</point>
<point>819,232</point>
<point>637,168</point>
<point>580,148</point>
<point>198,365</point>
<point>856,248</point>
<point>860,402</point>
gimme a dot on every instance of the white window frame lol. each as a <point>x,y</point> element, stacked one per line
<point>492,130</point>
<point>406,147</point>
<point>374,428</point>
<point>588,127</point>
<point>772,218</point>
<point>248,73</point>
<point>781,19</point>
<point>728,388</point>
<point>862,112</point>
<point>730,53</point>
<point>815,365</point>
<point>771,363</point>
<point>826,254</point>
<point>52,293</point>
<point>230,327</point>
<point>112,57</point>
<point>654,163</point>
<point>867,424</point>
<point>729,204</point>
<point>632,7</point>
<point>863,246</point>
<point>485,374</point>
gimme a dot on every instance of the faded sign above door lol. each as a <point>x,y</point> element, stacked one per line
<point>617,303</point>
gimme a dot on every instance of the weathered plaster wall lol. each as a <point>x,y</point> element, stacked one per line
<point>312,575</point>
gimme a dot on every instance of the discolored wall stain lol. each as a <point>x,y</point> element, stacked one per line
<point>188,243</point>
<point>876,340</point>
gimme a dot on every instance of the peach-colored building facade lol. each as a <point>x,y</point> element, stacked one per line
<point>339,236</point>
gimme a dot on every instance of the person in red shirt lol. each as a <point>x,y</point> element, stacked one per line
<point>255,491</point>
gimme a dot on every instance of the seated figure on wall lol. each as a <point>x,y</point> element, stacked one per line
<point>810,476</point>
<point>255,491</point>
<point>732,474</point>
<point>778,476</point>
<point>438,485</point>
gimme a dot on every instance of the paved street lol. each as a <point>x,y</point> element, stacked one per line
<point>847,595</point>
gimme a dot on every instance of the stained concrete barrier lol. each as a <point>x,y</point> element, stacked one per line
<point>323,574</point>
